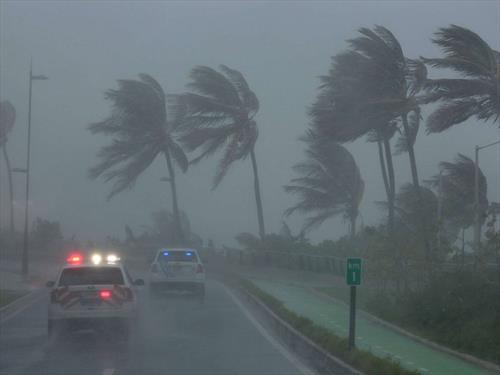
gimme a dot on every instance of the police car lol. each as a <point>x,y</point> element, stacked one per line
<point>177,270</point>
<point>97,293</point>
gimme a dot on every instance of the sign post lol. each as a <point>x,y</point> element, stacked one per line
<point>353,279</point>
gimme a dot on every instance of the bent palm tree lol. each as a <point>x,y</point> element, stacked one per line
<point>219,113</point>
<point>329,184</point>
<point>372,89</point>
<point>457,190</point>
<point>141,131</point>
<point>7,120</point>
<point>477,94</point>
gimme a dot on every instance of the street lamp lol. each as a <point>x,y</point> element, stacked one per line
<point>477,218</point>
<point>31,78</point>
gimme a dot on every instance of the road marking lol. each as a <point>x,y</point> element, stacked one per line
<point>108,371</point>
<point>293,360</point>
<point>424,369</point>
<point>3,319</point>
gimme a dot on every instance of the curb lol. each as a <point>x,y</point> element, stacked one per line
<point>285,329</point>
<point>465,357</point>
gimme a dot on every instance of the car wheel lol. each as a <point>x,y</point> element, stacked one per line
<point>53,328</point>
<point>201,294</point>
<point>125,331</point>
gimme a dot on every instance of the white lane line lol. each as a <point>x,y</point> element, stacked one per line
<point>3,319</point>
<point>424,369</point>
<point>293,360</point>
<point>108,371</point>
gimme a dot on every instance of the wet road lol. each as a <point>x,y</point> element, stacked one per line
<point>175,336</point>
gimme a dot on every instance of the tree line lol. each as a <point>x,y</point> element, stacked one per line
<point>371,91</point>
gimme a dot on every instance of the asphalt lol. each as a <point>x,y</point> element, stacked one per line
<point>174,336</point>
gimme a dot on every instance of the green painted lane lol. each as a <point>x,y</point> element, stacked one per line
<point>371,336</point>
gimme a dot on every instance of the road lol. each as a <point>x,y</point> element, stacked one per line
<point>175,336</point>
<point>370,336</point>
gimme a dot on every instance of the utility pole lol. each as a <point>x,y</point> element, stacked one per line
<point>26,216</point>
<point>440,210</point>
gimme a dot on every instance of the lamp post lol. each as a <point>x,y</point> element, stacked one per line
<point>25,240</point>
<point>477,218</point>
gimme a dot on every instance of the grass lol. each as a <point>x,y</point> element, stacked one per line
<point>7,296</point>
<point>475,334</point>
<point>363,360</point>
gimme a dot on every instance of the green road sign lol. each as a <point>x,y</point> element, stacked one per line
<point>353,272</point>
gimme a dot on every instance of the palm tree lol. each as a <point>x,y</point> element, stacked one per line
<point>457,191</point>
<point>477,93</point>
<point>7,120</point>
<point>329,184</point>
<point>372,90</point>
<point>409,210</point>
<point>141,132</point>
<point>219,114</point>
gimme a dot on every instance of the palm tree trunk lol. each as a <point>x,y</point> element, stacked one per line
<point>390,224</point>
<point>352,228</point>
<point>382,165</point>
<point>258,200</point>
<point>179,234</point>
<point>416,183</point>
<point>11,191</point>
<point>391,185</point>
<point>411,153</point>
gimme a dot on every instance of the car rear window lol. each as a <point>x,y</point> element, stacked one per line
<point>91,276</point>
<point>177,256</point>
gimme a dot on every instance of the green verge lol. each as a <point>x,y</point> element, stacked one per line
<point>7,296</point>
<point>362,360</point>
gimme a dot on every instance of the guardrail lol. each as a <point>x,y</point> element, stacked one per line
<point>282,259</point>
<point>329,264</point>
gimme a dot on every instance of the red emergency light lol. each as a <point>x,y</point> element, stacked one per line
<point>74,258</point>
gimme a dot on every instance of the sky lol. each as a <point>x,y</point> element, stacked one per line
<point>280,46</point>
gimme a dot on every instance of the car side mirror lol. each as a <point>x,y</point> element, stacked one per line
<point>50,284</point>
<point>139,282</point>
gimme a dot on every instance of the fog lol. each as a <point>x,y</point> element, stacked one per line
<point>280,47</point>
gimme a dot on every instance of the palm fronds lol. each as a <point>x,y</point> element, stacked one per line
<point>329,183</point>
<point>475,93</point>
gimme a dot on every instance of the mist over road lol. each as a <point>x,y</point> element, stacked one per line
<point>175,336</point>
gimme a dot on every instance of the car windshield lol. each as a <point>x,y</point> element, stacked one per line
<point>91,276</point>
<point>177,256</point>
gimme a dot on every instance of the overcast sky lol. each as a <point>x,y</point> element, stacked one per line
<point>281,48</point>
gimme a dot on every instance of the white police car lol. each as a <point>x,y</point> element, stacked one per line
<point>99,294</point>
<point>177,270</point>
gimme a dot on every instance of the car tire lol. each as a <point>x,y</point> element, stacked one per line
<point>53,328</point>
<point>125,331</point>
<point>201,294</point>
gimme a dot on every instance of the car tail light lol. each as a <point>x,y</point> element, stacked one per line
<point>105,294</point>
<point>199,269</point>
